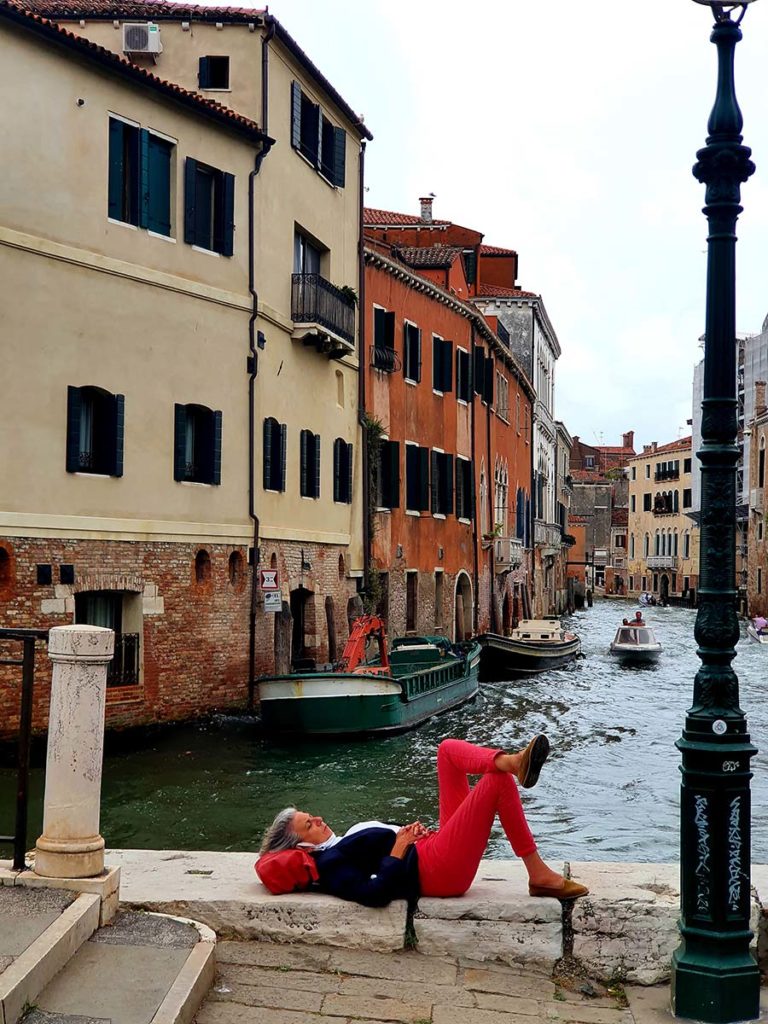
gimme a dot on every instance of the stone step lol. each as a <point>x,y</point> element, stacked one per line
<point>40,930</point>
<point>141,968</point>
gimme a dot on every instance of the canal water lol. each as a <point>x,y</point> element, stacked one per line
<point>609,792</point>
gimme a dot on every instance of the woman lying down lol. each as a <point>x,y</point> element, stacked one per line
<point>375,863</point>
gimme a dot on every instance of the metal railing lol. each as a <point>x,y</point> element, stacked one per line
<point>123,670</point>
<point>661,561</point>
<point>385,359</point>
<point>28,638</point>
<point>316,301</point>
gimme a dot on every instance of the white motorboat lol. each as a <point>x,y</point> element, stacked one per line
<point>635,645</point>
<point>757,635</point>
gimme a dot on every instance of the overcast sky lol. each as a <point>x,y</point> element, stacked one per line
<point>566,130</point>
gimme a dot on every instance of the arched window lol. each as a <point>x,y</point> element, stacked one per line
<point>236,568</point>
<point>500,497</point>
<point>686,545</point>
<point>646,545</point>
<point>657,544</point>
<point>674,550</point>
<point>202,566</point>
<point>675,501</point>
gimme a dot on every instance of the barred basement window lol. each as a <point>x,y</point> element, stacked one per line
<point>95,431</point>
<point>197,444</point>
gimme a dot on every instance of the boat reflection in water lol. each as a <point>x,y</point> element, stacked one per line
<point>635,645</point>
<point>535,645</point>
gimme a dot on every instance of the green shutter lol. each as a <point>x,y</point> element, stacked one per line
<point>179,441</point>
<point>389,330</point>
<point>447,366</point>
<point>303,484</point>
<point>227,182</point>
<point>316,438</point>
<point>143,178</point>
<point>119,434</point>
<point>216,475</point>
<point>434,482</point>
<point>478,375</point>
<point>116,170</point>
<point>267,453</point>
<point>394,473</point>
<point>337,469</point>
<point>460,499</point>
<point>295,115</point>
<point>488,381</point>
<point>448,481</point>
<point>350,467</point>
<point>339,156</point>
<point>423,479</point>
<point>283,454</point>
<point>190,190</point>
<point>159,186</point>
<point>74,407</point>
<point>204,73</point>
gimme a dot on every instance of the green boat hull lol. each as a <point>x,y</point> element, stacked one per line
<point>337,704</point>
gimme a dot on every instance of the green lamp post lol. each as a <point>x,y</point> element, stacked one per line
<point>714,976</point>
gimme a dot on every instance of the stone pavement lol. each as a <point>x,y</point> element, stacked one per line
<point>293,984</point>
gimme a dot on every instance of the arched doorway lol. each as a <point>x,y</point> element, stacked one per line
<point>463,608</point>
<point>664,588</point>
<point>301,609</point>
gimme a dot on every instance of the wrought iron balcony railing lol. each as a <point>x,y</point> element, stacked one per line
<point>661,561</point>
<point>316,301</point>
<point>385,359</point>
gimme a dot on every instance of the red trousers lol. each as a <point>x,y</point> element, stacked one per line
<point>450,857</point>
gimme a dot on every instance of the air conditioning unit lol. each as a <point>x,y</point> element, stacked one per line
<point>141,37</point>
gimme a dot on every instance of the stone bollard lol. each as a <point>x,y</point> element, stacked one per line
<point>70,846</point>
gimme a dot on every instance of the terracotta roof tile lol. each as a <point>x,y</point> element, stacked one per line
<point>620,517</point>
<point>20,14</point>
<point>431,256</point>
<point>574,520</point>
<point>150,9</point>
<point>497,291</point>
<point>495,250</point>
<point>389,218</point>
<point>672,446</point>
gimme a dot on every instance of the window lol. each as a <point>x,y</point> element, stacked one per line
<point>517,413</point>
<point>442,483</point>
<point>95,431</point>
<point>442,365</point>
<point>388,475</point>
<point>760,529</point>
<point>631,584</point>
<point>213,73</point>
<point>502,396</point>
<point>644,583</point>
<point>416,478</point>
<point>105,608</point>
<point>646,502</point>
<point>197,444</point>
<point>488,381</point>
<point>631,550</point>
<point>463,382</point>
<point>759,581</point>
<point>464,490</point>
<point>646,548</point>
<point>621,541</point>
<point>686,584</point>
<point>306,255</point>
<point>634,472</point>
<point>383,339</point>
<point>139,190</point>
<point>589,462</point>
<point>500,497</point>
<point>648,471</point>
<point>309,468</point>
<point>274,452</point>
<point>686,469</point>
<point>687,498</point>
<point>632,503</point>
<point>342,471</point>
<point>411,352</point>
<point>316,138</point>
<point>209,207</point>
<point>761,464</point>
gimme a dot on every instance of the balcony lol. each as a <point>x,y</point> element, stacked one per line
<point>667,474</point>
<point>323,315</point>
<point>547,536</point>
<point>123,670</point>
<point>661,561</point>
<point>508,553</point>
<point>385,359</point>
<point>663,510</point>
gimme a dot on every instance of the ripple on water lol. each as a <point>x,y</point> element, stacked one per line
<point>609,791</point>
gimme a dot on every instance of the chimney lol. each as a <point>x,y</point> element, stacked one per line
<point>760,406</point>
<point>628,439</point>
<point>426,208</point>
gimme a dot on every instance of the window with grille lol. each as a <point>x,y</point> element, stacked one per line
<point>95,431</point>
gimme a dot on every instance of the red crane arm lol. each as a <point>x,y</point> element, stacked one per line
<point>354,652</point>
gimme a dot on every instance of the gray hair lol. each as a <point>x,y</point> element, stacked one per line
<point>280,835</point>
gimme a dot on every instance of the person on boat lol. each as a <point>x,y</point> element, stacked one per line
<point>761,625</point>
<point>375,863</point>
<point>638,620</point>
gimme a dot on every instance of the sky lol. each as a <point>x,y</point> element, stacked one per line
<point>565,130</point>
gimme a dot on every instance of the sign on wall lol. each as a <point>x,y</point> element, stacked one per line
<point>273,601</point>
<point>269,579</point>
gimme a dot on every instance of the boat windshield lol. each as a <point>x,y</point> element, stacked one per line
<point>635,636</point>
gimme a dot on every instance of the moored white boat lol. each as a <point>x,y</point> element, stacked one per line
<point>635,645</point>
<point>534,646</point>
<point>757,635</point>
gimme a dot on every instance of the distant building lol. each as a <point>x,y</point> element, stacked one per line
<point>663,553</point>
<point>757,576</point>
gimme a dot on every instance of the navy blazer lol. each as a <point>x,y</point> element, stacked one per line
<point>360,868</point>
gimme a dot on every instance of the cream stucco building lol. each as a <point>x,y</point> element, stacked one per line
<point>663,540</point>
<point>179,247</point>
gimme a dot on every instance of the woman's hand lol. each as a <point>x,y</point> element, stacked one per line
<point>406,837</point>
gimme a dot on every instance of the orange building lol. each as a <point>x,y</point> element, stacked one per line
<point>449,414</point>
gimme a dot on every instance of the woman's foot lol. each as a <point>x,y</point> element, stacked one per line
<point>567,889</point>
<point>528,763</point>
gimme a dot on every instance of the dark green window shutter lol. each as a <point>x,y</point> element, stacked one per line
<point>216,475</point>
<point>423,479</point>
<point>283,454</point>
<point>303,483</point>
<point>448,480</point>
<point>394,473</point>
<point>116,169</point>
<point>459,489</point>
<point>389,330</point>
<point>478,376</point>
<point>119,435</point>
<point>316,488</point>
<point>179,441</point>
<point>434,480</point>
<point>437,357</point>
<point>378,327</point>
<point>74,406</point>
<point>471,475</point>
<point>412,477</point>
<point>143,178</point>
<point>488,381</point>
<point>204,73</point>
<point>227,246</point>
<point>339,156</point>
<point>447,366</point>
<point>337,469</point>
<point>269,423</point>
<point>350,467</point>
<point>158,185</point>
<point>295,115</point>
<point>190,190</point>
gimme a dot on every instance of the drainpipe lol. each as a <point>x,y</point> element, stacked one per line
<point>361,395</point>
<point>253,362</point>
<point>477,524</point>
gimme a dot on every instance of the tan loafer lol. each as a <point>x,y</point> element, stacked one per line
<point>532,761</point>
<point>569,890</point>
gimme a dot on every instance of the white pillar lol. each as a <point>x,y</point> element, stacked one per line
<point>70,846</point>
